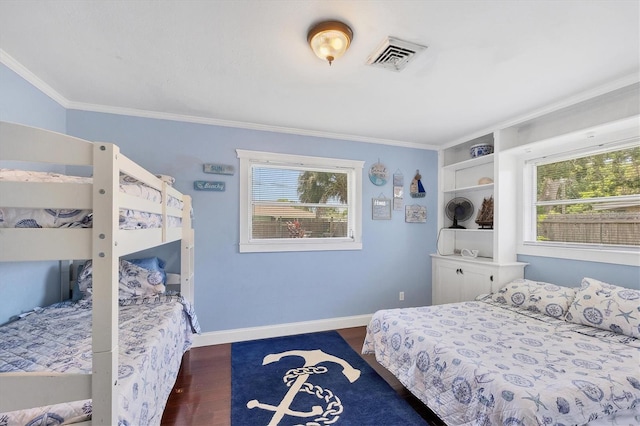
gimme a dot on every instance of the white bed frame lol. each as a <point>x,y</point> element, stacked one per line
<point>104,244</point>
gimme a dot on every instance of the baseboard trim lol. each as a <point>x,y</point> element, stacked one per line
<point>252,333</point>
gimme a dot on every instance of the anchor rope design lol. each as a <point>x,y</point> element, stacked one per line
<point>296,381</point>
<point>295,372</point>
<point>334,405</point>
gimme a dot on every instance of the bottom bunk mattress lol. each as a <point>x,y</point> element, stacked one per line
<point>154,334</point>
<point>480,363</point>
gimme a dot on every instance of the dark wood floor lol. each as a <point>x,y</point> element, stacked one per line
<point>202,393</point>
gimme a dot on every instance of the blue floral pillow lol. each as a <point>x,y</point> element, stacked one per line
<point>151,264</point>
<point>536,296</point>
<point>606,306</point>
<point>134,281</point>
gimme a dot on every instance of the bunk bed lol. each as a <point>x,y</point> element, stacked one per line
<point>102,237</point>
<point>532,353</point>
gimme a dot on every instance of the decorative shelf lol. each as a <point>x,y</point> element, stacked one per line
<point>473,188</point>
<point>472,162</point>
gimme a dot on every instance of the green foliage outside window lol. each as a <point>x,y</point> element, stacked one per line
<point>590,199</point>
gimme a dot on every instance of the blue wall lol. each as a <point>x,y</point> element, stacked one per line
<point>569,273</point>
<point>236,290</point>
<point>21,102</point>
<point>25,285</point>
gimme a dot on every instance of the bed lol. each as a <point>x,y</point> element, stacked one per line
<point>83,218</point>
<point>531,354</point>
<point>97,366</point>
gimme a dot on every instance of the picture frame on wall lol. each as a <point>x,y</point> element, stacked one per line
<point>415,214</point>
<point>381,208</point>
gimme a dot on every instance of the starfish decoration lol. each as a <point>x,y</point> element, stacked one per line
<point>626,315</point>
<point>536,400</point>
<point>566,296</point>
<point>609,379</point>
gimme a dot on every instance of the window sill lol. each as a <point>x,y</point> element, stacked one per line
<point>629,257</point>
<point>301,245</point>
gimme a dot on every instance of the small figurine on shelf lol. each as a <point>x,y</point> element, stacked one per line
<point>485,215</point>
<point>416,190</point>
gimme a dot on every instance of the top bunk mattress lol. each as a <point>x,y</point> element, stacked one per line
<point>11,217</point>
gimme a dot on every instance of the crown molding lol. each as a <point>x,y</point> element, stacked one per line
<point>31,78</point>
<point>240,125</point>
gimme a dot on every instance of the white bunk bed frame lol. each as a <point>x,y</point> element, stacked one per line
<point>104,244</point>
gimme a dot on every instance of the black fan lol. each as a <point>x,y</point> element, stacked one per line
<point>459,209</point>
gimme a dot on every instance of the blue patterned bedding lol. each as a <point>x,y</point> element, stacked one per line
<point>154,334</point>
<point>483,363</point>
<point>74,218</point>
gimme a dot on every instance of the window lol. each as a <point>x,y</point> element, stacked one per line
<point>299,203</point>
<point>586,200</point>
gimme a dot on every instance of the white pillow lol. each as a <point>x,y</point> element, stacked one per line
<point>606,306</point>
<point>536,296</point>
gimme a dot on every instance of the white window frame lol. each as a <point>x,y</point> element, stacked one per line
<point>353,168</point>
<point>617,135</point>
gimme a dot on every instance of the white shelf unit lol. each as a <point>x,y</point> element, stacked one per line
<point>457,278</point>
<point>612,107</point>
<point>460,177</point>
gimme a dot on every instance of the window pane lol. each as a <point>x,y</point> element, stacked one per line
<point>581,223</point>
<point>286,221</point>
<point>299,203</point>
<point>607,212</point>
<point>290,203</point>
<point>603,175</point>
<point>299,186</point>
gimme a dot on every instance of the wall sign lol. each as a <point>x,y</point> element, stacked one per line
<point>415,214</point>
<point>204,185</point>
<point>398,190</point>
<point>381,208</point>
<point>218,169</point>
<point>378,174</point>
<point>416,190</point>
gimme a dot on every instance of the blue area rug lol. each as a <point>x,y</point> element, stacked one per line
<point>311,379</point>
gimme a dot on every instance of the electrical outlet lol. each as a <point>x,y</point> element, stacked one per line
<point>401,296</point>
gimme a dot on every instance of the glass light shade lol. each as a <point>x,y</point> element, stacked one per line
<point>329,40</point>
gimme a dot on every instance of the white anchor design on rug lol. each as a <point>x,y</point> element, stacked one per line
<point>296,380</point>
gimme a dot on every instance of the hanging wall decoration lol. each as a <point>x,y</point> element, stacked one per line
<point>205,185</point>
<point>381,208</point>
<point>415,214</point>
<point>218,169</point>
<point>416,190</point>
<point>378,174</point>
<point>398,190</point>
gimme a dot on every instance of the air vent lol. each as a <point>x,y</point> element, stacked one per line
<point>394,54</point>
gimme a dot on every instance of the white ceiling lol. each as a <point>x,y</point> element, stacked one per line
<point>247,61</point>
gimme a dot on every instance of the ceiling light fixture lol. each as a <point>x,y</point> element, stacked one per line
<point>329,40</point>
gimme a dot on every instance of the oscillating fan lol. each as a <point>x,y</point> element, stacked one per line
<point>458,209</point>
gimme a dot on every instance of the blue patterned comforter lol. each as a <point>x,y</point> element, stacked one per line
<point>154,334</point>
<point>480,363</point>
